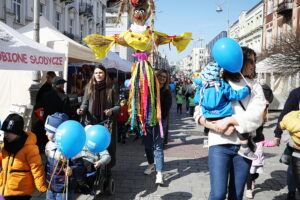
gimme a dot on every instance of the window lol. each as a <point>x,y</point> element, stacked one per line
<point>279,37</point>
<point>111,20</point>
<point>42,9</point>
<point>17,10</point>
<point>81,30</point>
<point>270,7</point>
<point>71,26</point>
<point>57,19</point>
<point>269,39</point>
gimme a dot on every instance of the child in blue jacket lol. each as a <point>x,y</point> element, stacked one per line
<point>55,175</point>
<point>215,96</point>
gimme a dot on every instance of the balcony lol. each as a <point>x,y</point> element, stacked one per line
<point>70,35</point>
<point>86,9</point>
<point>67,1</point>
<point>285,7</point>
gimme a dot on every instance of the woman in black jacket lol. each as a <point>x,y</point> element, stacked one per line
<point>100,101</point>
<point>165,100</point>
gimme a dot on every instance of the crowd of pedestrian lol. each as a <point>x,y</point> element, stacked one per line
<point>231,106</point>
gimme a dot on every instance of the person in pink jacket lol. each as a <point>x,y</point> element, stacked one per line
<point>257,165</point>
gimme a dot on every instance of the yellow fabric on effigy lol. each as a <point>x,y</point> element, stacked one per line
<point>291,122</point>
<point>142,42</point>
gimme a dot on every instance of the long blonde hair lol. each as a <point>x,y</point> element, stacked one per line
<point>91,84</point>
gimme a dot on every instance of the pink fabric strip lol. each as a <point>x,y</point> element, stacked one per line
<point>141,56</point>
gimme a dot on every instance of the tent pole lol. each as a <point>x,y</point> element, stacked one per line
<point>36,75</point>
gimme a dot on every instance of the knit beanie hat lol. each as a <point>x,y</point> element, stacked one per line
<point>13,123</point>
<point>54,120</point>
<point>211,72</point>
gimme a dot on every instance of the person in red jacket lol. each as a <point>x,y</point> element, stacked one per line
<point>122,118</point>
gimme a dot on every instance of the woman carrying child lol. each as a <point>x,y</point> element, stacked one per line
<point>228,170</point>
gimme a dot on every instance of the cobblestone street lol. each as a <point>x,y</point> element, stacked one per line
<point>186,169</point>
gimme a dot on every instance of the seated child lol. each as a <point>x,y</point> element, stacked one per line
<point>21,163</point>
<point>215,96</point>
<point>56,168</point>
<point>92,161</point>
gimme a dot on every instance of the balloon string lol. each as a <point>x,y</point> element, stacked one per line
<point>247,82</point>
<point>67,188</point>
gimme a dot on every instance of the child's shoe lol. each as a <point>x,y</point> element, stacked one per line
<point>247,153</point>
<point>249,194</point>
<point>159,178</point>
<point>150,169</point>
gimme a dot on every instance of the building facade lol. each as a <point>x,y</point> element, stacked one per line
<point>74,18</point>
<point>281,18</point>
<point>198,58</point>
<point>112,28</point>
<point>211,44</point>
<point>248,29</point>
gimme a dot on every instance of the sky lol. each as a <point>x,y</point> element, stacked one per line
<point>174,17</point>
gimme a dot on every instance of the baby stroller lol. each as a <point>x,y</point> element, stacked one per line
<point>96,180</point>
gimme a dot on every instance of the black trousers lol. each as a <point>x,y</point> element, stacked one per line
<point>179,108</point>
<point>122,129</point>
<point>251,177</point>
<point>296,171</point>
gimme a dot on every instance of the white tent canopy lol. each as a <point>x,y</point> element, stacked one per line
<point>54,39</point>
<point>19,56</point>
<point>75,52</point>
<point>17,52</point>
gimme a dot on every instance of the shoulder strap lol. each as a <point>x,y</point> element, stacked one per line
<point>242,105</point>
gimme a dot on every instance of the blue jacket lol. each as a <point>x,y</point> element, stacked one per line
<point>216,100</point>
<point>58,180</point>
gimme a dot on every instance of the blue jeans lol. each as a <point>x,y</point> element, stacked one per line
<point>154,147</point>
<point>224,163</point>
<point>57,196</point>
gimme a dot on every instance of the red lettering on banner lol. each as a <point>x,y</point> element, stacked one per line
<point>13,57</point>
<point>22,58</point>
<point>32,59</point>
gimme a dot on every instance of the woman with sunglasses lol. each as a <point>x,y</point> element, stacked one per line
<point>165,100</point>
<point>228,170</point>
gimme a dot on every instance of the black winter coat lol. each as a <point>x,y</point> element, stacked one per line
<point>166,102</point>
<point>56,101</point>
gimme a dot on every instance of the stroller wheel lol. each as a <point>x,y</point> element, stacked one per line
<point>111,186</point>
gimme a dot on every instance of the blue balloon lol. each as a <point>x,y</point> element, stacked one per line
<point>97,138</point>
<point>127,83</point>
<point>228,54</point>
<point>70,138</point>
<point>172,87</point>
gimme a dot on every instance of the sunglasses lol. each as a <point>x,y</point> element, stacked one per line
<point>162,76</point>
<point>251,61</point>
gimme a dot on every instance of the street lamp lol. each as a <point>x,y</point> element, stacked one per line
<point>219,9</point>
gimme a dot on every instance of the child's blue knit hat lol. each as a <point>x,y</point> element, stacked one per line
<point>211,72</point>
<point>54,120</point>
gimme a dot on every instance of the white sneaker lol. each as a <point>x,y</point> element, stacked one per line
<point>159,178</point>
<point>249,194</point>
<point>149,169</point>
